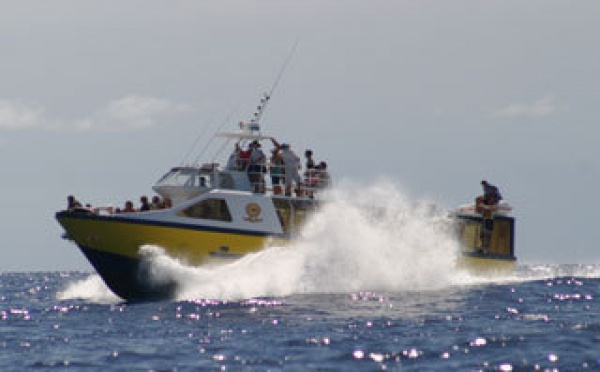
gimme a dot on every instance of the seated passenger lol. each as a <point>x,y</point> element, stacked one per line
<point>145,204</point>
<point>128,207</point>
<point>73,203</point>
<point>491,197</point>
<point>156,203</point>
<point>324,180</point>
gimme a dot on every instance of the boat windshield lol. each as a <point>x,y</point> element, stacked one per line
<point>187,177</point>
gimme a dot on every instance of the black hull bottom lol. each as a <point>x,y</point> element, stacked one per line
<point>129,278</point>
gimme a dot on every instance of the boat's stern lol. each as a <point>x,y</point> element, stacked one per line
<point>488,244</point>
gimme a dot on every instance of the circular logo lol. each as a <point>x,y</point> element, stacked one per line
<point>253,211</point>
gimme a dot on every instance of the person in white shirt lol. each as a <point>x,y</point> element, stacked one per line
<point>292,165</point>
<point>257,167</point>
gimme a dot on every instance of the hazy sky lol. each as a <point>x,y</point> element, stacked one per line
<point>99,98</point>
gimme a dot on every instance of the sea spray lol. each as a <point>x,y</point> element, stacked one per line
<point>363,238</point>
<point>90,289</point>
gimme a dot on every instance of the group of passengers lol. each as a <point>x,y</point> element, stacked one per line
<point>284,167</point>
<point>145,205</point>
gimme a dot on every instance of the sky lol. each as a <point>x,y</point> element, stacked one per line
<point>100,98</point>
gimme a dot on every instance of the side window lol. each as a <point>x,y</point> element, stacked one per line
<point>208,209</point>
<point>226,181</point>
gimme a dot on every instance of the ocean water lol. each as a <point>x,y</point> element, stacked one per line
<point>360,289</point>
<point>544,318</point>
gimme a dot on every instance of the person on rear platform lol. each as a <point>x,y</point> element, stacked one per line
<point>486,205</point>
<point>490,198</point>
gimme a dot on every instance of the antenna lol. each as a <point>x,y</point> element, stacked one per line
<point>254,124</point>
<point>200,136</point>
<point>211,140</point>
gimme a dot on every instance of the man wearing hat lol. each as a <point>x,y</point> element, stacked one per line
<point>292,164</point>
<point>257,166</point>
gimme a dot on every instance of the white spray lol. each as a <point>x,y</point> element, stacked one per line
<point>364,238</point>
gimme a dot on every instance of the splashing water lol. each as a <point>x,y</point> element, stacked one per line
<point>91,289</point>
<point>364,238</point>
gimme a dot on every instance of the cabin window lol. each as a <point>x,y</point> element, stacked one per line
<point>204,180</point>
<point>179,177</point>
<point>226,181</point>
<point>208,209</point>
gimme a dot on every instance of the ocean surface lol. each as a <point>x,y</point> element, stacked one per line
<point>359,289</point>
<point>543,318</point>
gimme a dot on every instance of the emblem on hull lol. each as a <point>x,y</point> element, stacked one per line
<point>253,212</point>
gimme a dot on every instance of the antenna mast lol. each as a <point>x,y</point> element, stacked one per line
<point>254,124</point>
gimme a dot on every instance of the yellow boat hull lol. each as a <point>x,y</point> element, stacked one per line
<point>112,245</point>
<point>486,265</point>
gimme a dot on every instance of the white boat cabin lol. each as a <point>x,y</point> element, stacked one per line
<point>184,183</point>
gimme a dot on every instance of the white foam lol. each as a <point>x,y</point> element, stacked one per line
<point>90,289</point>
<point>366,238</point>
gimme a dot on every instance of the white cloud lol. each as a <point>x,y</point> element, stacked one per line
<point>17,115</point>
<point>133,112</point>
<point>540,108</point>
<point>124,114</point>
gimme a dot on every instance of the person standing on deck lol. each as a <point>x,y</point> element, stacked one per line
<point>257,166</point>
<point>291,163</point>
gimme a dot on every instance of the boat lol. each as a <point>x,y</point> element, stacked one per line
<point>221,213</point>
<point>214,213</point>
<point>487,236</point>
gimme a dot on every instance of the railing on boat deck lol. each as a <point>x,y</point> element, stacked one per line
<point>183,183</point>
<point>271,178</point>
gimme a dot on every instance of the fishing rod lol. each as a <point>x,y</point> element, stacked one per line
<point>255,121</point>
<point>213,137</point>
<point>198,138</point>
<point>253,125</point>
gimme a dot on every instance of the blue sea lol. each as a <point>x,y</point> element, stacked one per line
<point>541,318</point>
